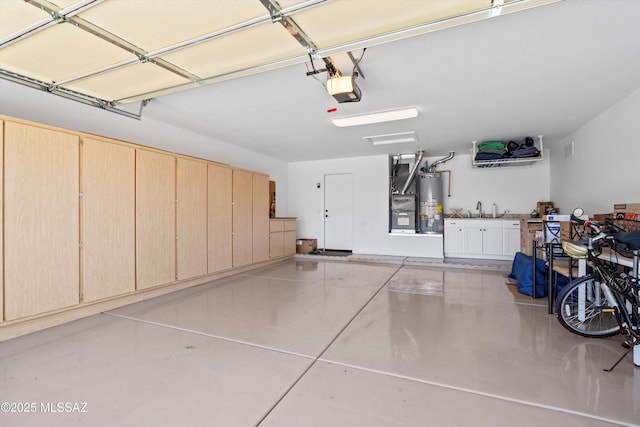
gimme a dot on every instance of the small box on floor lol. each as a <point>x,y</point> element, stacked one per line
<point>305,246</point>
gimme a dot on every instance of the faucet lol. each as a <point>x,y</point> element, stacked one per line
<point>479,208</point>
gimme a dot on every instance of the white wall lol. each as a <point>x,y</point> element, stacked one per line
<point>30,104</point>
<point>605,167</point>
<point>514,188</point>
<point>370,190</point>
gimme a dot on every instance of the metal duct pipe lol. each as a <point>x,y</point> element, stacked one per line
<point>412,174</point>
<point>432,168</point>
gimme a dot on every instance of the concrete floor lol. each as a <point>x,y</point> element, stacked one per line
<point>322,343</point>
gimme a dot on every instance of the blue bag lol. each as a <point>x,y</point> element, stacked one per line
<point>522,271</point>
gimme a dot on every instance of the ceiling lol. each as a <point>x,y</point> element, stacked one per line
<point>213,67</point>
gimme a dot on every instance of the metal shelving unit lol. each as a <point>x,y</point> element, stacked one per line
<point>525,161</point>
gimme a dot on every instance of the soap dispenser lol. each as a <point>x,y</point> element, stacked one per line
<point>494,210</point>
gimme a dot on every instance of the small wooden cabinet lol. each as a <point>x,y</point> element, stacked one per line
<point>282,237</point>
<point>290,230</point>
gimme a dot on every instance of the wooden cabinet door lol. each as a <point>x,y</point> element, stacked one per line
<point>289,242</point>
<point>1,211</point>
<point>276,238</point>
<point>191,211</point>
<point>260,213</point>
<point>155,219</point>
<point>276,244</point>
<point>219,218</point>
<point>290,227</point>
<point>242,218</point>
<point>108,219</point>
<point>41,220</point>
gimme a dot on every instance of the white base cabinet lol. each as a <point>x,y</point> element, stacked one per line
<point>511,237</point>
<point>481,238</point>
<point>453,236</point>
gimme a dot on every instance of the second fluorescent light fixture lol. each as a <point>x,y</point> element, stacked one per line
<point>381,117</point>
<point>392,138</point>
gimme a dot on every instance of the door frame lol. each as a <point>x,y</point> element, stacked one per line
<point>324,210</point>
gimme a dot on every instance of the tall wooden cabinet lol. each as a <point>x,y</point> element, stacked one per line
<point>91,223</point>
<point>155,218</point>
<point>242,217</point>
<point>41,208</point>
<point>108,219</point>
<point>191,215</point>
<point>219,218</point>
<point>260,217</point>
<point>1,211</point>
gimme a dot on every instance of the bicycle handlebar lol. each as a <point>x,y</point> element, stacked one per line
<point>592,225</point>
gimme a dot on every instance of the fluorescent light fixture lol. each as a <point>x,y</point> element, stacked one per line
<point>392,138</point>
<point>380,117</point>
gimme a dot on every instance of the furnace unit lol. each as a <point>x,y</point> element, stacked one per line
<point>416,205</point>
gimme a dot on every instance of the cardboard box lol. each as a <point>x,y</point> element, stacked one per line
<point>627,211</point>
<point>544,207</point>
<point>631,208</point>
<point>305,246</point>
<point>557,228</point>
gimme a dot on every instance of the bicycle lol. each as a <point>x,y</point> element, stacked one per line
<point>605,302</point>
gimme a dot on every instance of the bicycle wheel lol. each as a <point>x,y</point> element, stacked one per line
<point>584,309</point>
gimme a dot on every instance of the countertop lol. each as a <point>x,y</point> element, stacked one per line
<point>504,216</point>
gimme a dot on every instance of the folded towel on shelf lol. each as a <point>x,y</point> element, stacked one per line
<point>491,147</point>
<point>493,151</point>
<point>525,152</point>
<point>489,156</point>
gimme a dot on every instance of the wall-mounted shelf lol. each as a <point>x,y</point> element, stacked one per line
<point>506,161</point>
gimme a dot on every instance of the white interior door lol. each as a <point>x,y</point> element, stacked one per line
<point>338,211</point>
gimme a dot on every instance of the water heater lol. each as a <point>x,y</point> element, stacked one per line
<point>430,191</point>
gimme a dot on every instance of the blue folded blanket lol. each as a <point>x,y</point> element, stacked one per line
<point>526,152</point>
<point>489,156</point>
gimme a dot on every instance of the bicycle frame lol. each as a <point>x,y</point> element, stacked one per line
<point>616,299</point>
